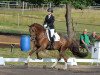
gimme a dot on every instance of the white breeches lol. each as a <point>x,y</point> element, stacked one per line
<point>52,32</point>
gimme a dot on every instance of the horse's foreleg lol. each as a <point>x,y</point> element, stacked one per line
<point>37,54</point>
<point>27,60</point>
<point>38,50</point>
<point>30,53</point>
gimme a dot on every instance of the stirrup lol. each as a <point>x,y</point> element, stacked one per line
<point>51,44</point>
<point>50,47</point>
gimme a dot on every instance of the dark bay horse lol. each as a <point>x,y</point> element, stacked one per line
<point>41,42</point>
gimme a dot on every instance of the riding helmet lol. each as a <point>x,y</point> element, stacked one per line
<point>50,10</point>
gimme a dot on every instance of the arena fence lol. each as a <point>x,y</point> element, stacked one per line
<point>95,57</point>
<point>71,61</point>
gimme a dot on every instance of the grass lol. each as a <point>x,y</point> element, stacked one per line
<point>15,21</point>
<point>6,52</point>
<point>86,17</point>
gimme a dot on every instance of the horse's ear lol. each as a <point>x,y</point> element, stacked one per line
<point>29,26</point>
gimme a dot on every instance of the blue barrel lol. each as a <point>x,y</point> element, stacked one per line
<point>25,43</point>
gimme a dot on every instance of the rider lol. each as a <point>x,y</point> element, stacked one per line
<point>49,23</point>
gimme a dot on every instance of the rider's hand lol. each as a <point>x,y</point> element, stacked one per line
<point>45,26</point>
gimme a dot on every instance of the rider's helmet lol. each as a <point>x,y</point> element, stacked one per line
<point>50,10</point>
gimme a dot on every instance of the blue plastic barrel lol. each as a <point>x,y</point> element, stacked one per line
<point>25,43</point>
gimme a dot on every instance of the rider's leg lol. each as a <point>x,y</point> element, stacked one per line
<point>51,33</point>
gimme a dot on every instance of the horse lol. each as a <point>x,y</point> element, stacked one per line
<point>41,42</point>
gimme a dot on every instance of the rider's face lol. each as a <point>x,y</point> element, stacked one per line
<point>49,13</point>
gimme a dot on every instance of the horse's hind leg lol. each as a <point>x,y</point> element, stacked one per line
<point>65,59</point>
<point>59,58</point>
<point>61,55</point>
<point>53,66</point>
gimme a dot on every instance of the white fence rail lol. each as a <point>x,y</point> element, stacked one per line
<point>71,61</point>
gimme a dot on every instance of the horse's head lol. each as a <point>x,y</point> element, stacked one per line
<point>36,30</point>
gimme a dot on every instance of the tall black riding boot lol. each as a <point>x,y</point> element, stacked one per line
<point>52,41</point>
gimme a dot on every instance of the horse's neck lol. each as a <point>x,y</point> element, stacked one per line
<point>41,35</point>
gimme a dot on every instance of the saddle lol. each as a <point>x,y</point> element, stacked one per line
<point>53,39</point>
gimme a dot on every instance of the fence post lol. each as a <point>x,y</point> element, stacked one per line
<point>8,5</point>
<point>18,19</point>
<point>23,8</point>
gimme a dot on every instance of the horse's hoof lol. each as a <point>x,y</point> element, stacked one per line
<point>39,58</point>
<point>64,68</point>
<point>26,64</point>
<point>44,66</point>
<point>53,67</point>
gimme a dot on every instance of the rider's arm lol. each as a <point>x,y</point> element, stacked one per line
<point>45,20</point>
<point>53,19</point>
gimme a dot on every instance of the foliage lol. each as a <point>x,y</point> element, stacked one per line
<point>9,0</point>
<point>97,1</point>
<point>78,3</point>
<point>36,2</point>
<point>56,2</point>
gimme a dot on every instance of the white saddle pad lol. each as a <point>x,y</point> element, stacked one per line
<point>56,37</point>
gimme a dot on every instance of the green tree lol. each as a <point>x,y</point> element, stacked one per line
<point>37,2</point>
<point>77,4</point>
<point>56,2</point>
<point>97,1</point>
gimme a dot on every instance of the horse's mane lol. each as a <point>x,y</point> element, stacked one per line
<point>38,26</point>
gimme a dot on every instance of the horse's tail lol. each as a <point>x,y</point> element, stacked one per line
<point>74,47</point>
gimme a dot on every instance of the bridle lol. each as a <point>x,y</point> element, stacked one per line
<point>33,37</point>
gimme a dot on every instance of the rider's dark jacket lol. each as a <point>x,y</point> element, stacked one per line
<point>49,21</point>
